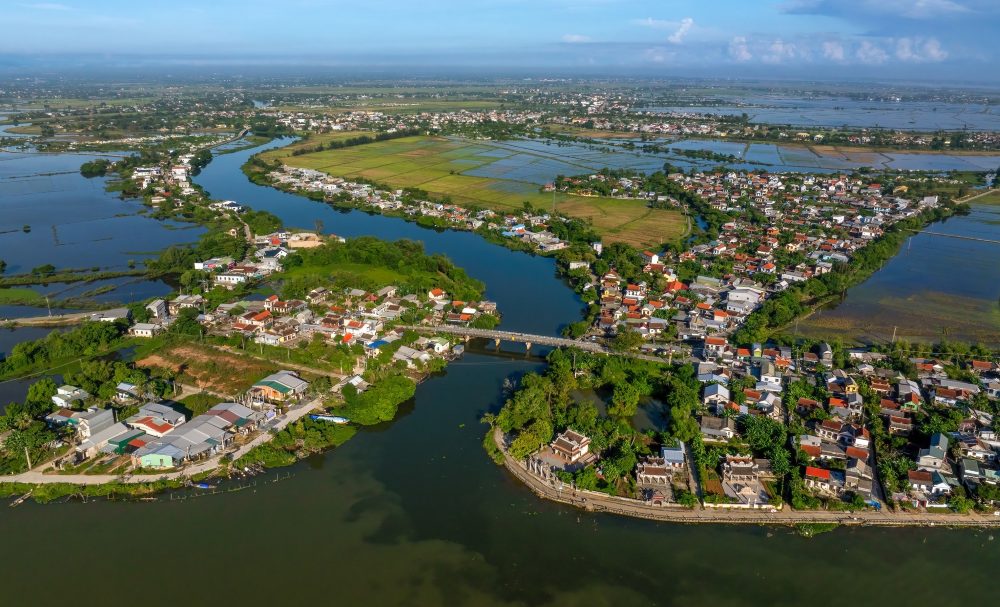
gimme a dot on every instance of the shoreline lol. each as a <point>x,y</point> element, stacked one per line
<point>596,502</point>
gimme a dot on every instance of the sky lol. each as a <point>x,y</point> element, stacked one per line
<point>923,39</point>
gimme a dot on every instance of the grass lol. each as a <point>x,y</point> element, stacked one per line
<point>437,164</point>
<point>209,368</point>
<point>991,198</point>
<point>21,297</point>
<point>311,142</point>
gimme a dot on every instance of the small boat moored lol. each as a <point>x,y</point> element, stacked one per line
<point>329,418</point>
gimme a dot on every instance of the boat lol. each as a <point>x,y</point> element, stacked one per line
<point>329,418</point>
<point>202,486</point>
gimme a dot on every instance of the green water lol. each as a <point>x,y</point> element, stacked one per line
<point>413,513</point>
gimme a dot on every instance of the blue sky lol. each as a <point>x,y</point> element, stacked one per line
<point>932,39</point>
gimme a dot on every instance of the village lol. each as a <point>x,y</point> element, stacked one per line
<point>780,427</point>
<point>772,232</point>
<point>331,343</point>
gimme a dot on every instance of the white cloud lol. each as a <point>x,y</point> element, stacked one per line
<point>575,38</point>
<point>933,50</point>
<point>739,49</point>
<point>870,53</point>
<point>658,24</point>
<point>833,50</point>
<point>678,36</point>
<point>918,50</point>
<point>779,51</point>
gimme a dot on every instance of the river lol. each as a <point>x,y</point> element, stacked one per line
<point>413,512</point>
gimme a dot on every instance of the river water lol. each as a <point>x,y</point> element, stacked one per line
<point>413,512</point>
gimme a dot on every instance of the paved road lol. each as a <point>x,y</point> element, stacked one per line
<point>55,320</point>
<point>531,339</point>
<point>601,502</point>
<point>37,477</point>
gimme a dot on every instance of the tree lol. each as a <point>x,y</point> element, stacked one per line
<point>40,394</point>
<point>43,270</point>
<point>186,323</point>
<point>624,400</point>
<point>627,340</point>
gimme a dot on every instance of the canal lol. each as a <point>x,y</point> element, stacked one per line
<point>413,512</point>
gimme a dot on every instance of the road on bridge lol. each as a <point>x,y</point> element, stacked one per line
<point>531,339</point>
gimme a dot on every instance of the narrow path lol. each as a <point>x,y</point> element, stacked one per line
<point>978,195</point>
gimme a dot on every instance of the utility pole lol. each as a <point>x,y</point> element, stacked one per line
<point>893,335</point>
<point>27,456</point>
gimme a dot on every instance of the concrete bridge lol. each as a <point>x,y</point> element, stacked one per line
<point>529,339</point>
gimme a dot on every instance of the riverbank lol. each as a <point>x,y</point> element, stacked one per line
<point>594,501</point>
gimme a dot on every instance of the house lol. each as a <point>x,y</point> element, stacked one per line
<point>673,455</point>
<point>98,441</point>
<point>93,421</point>
<point>125,391</point>
<point>935,456</point>
<point>715,346</point>
<point>858,477</point>
<point>825,353</point>
<point>716,396</point>
<point>920,480</point>
<point>928,483</point>
<point>718,428</point>
<point>825,481</point>
<point>67,396</point>
<point>156,419</point>
<point>112,315</point>
<point>157,309</point>
<point>769,378</point>
<point>571,445</point>
<point>204,436</point>
<point>183,302</point>
<point>278,388</point>
<point>144,329</point>
<point>811,445</point>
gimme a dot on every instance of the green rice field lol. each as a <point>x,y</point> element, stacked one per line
<point>441,166</point>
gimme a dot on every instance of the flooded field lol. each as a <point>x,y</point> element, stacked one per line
<point>935,288</point>
<point>834,111</point>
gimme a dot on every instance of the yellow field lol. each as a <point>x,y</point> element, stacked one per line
<point>436,164</point>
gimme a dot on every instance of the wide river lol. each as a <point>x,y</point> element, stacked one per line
<point>414,513</point>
